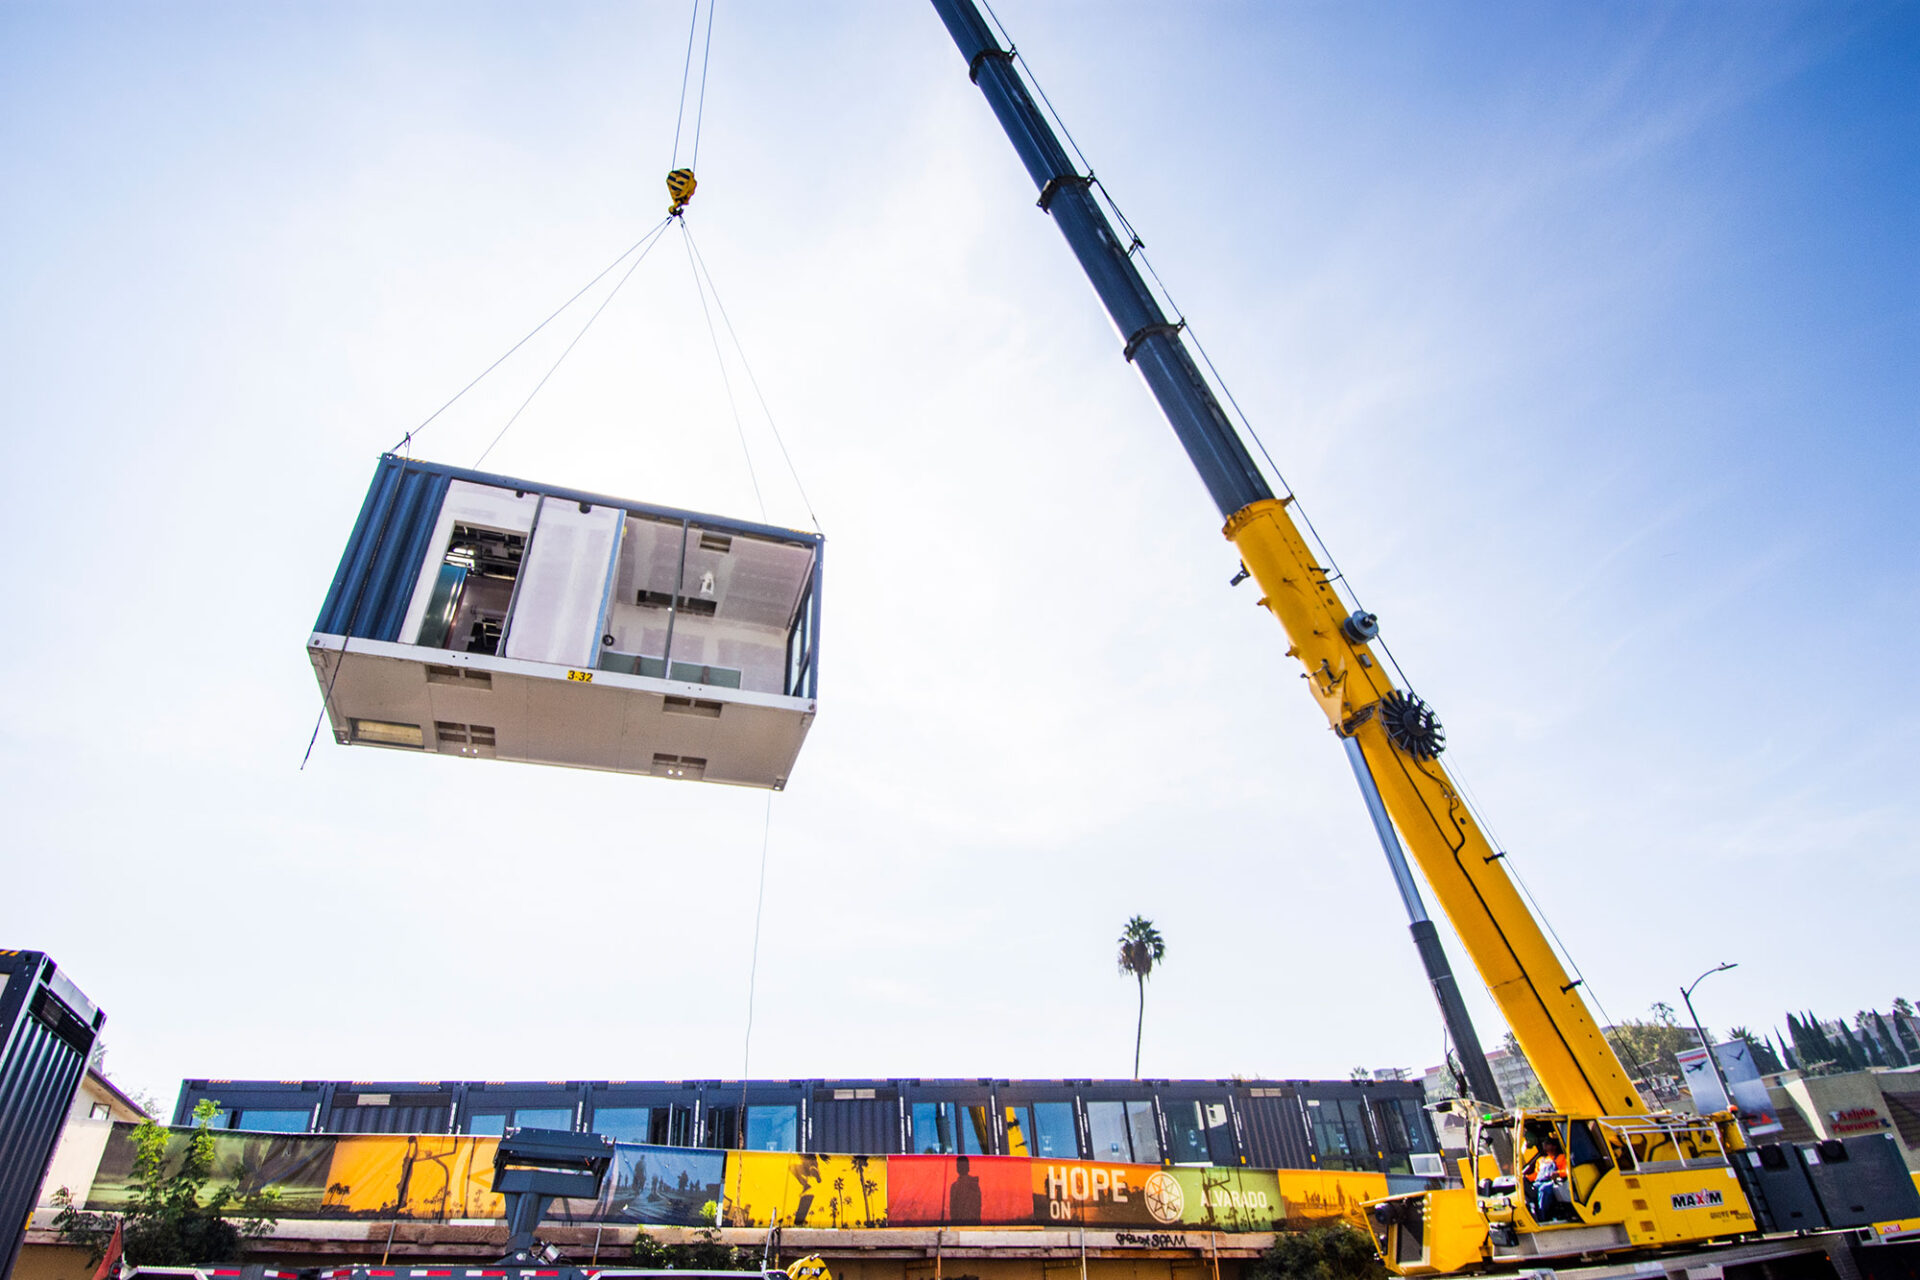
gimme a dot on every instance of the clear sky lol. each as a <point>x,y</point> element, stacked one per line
<point>1589,335</point>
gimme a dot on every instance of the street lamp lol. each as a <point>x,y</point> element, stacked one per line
<point>1686,997</point>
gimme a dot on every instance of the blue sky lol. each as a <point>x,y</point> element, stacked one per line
<point>1587,335</point>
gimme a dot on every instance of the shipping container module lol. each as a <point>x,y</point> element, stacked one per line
<point>482,616</point>
<point>47,1031</point>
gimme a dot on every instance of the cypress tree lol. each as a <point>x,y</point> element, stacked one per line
<point>1805,1048</point>
<point>1897,1055</point>
<point>1838,1049</point>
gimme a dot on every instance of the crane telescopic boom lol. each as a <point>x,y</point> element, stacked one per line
<point>1391,738</point>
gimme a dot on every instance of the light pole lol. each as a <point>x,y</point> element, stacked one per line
<point>1686,997</point>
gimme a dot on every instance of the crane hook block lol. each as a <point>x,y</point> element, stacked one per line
<point>680,185</point>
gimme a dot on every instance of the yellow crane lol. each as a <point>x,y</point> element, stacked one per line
<point>1627,1178</point>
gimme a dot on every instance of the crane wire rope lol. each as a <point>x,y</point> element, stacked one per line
<point>653,238</point>
<point>726,381</point>
<point>407,440</point>
<point>700,101</point>
<point>703,285</point>
<point>753,967</point>
<point>752,381</point>
<point>1137,248</point>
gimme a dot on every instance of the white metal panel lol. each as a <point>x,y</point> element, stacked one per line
<point>564,580</point>
<point>536,714</point>
<point>481,506</point>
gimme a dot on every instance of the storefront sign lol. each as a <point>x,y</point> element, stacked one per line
<point>1855,1120</point>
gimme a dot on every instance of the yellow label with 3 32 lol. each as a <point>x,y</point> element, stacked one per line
<point>584,677</point>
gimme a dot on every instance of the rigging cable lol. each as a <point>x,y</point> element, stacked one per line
<point>693,24</point>
<point>700,102</point>
<point>720,358</point>
<point>408,438</point>
<point>752,381</point>
<point>753,967</point>
<point>700,107</point>
<point>652,238</point>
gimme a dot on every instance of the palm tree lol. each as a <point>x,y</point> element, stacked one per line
<point>1141,948</point>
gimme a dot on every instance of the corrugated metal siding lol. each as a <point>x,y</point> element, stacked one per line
<point>381,565</point>
<point>1276,1138</point>
<point>856,1126</point>
<point>387,1120</point>
<point>43,1055</point>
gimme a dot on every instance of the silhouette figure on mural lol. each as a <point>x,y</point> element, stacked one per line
<point>806,1175</point>
<point>963,1197</point>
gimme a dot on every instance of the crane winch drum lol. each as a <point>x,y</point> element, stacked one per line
<point>478,615</point>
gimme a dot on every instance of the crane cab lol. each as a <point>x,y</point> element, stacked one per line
<point>1565,1186</point>
<point>483,616</point>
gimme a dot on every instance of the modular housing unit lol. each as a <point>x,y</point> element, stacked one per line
<point>483,616</point>
<point>47,1031</point>
<point>1372,1126</point>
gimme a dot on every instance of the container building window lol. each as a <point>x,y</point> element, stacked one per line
<point>719,1126</point>
<point>660,1126</point>
<point>1044,1129</point>
<point>1107,1123</point>
<point>624,1124</point>
<point>949,1128</point>
<point>543,1117</point>
<point>1403,1132</point>
<point>1199,1132</point>
<point>1340,1132</point>
<point>773,1128</point>
<point>473,590</point>
<point>260,1121</point>
<point>496,1123</point>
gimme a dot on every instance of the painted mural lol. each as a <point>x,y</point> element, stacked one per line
<point>443,1177</point>
<point>767,1188</point>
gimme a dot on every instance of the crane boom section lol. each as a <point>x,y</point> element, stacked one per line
<point>1152,342</point>
<point>1576,1065</point>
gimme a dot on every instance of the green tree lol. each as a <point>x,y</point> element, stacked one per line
<point>703,1253</point>
<point>1337,1252</point>
<point>172,1220</point>
<point>1141,948</point>
<point>1530,1095</point>
<point>1649,1046</point>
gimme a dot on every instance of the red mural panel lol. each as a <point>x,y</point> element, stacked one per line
<point>959,1191</point>
<point>1000,1191</point>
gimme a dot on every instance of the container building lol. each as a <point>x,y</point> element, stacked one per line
<point>479,615</point>
<point>1362,1126</point>
<point>47,1031</point>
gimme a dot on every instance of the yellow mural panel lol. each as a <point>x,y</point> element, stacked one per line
<point>769,1188</point>
<point>1311,1198</point>
<point>412,1176</point>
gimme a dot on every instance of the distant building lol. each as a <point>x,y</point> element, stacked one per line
<point>96,1107</point>
<point>1512,1075</point>
<point>1849,1105</point>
